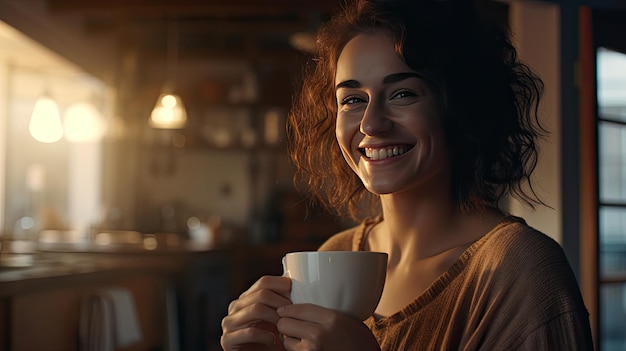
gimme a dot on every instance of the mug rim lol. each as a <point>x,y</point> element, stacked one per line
<point>336,252</point>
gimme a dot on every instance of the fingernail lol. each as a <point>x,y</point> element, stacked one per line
<point>280,309</point>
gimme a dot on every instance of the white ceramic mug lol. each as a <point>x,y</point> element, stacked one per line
<point>347,281</point>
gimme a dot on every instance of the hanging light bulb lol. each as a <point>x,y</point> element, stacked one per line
<point>83,123</point>
<point>45,123</point>
<point>169,111</point>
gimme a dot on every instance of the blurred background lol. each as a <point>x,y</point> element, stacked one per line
<point>143,160</point>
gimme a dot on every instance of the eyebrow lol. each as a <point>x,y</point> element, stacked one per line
<point>392,78</point>
<point>397,77</point>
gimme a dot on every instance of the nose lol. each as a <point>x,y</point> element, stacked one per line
<point>375,120</point>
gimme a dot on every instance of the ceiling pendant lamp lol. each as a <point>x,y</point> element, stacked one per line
<point>45,123</point>
<point>83,123</point>
<point>169,111</point>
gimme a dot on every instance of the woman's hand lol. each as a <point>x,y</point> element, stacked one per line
<point>252,318</point>
<point>311,327</point>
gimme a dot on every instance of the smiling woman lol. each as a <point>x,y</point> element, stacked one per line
<point>385,114</point>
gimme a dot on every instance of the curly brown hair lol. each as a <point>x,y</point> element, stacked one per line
<point>488,97</point>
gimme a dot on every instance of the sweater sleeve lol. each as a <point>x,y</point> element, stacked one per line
<point>571,329</point>
<point>539,306</point>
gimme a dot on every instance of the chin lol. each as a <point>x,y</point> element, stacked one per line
<point>380,189</point>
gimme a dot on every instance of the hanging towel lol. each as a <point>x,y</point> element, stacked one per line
<point>108,320</point>
<point>172,319</point>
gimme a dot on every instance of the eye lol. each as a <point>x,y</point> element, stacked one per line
<point>352,103</point>
<point>351,100</point>
<point>402,94</point>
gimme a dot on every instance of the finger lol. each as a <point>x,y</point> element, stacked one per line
<point>295,344</point>
<point>266,297</point>
<point>308,312</point>
<point>249,315</point>
<point>292,344</point>
<point>281,285</point>
<point>301,330</point>
<point>238,339</point>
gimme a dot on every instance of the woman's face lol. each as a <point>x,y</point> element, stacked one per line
<point>388,125</point>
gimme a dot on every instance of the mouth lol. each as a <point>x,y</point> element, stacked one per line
<point>381,153</point>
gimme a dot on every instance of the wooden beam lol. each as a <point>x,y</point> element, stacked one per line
<point>194,7</point>
<point>588,168</point>
<point>96,26</point>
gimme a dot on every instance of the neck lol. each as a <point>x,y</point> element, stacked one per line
<point>418,227</point>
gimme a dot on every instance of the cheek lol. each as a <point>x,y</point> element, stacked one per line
<point>427,124</point>
<point>344,133</point>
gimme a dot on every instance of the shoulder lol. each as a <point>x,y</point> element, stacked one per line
<point>514,240</point>
<point>340,242</point>
<point>349,239</point>
<point>525,271</point>
<point>522,259</point>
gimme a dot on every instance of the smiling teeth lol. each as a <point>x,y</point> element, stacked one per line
<point>383,153</point>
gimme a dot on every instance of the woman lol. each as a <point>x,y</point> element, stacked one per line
<point>422,111</point>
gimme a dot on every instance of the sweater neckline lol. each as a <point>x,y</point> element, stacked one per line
<point>441,282</point>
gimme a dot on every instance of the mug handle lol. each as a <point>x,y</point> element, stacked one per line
<point>285,270</point>
<point>286,274</point>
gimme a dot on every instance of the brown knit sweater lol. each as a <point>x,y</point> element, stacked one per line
<point>513,289</point>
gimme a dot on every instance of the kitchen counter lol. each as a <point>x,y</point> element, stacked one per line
<point>57,267</point>
<point>40,304</point>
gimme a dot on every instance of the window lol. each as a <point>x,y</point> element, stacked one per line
<point>611,78</point>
